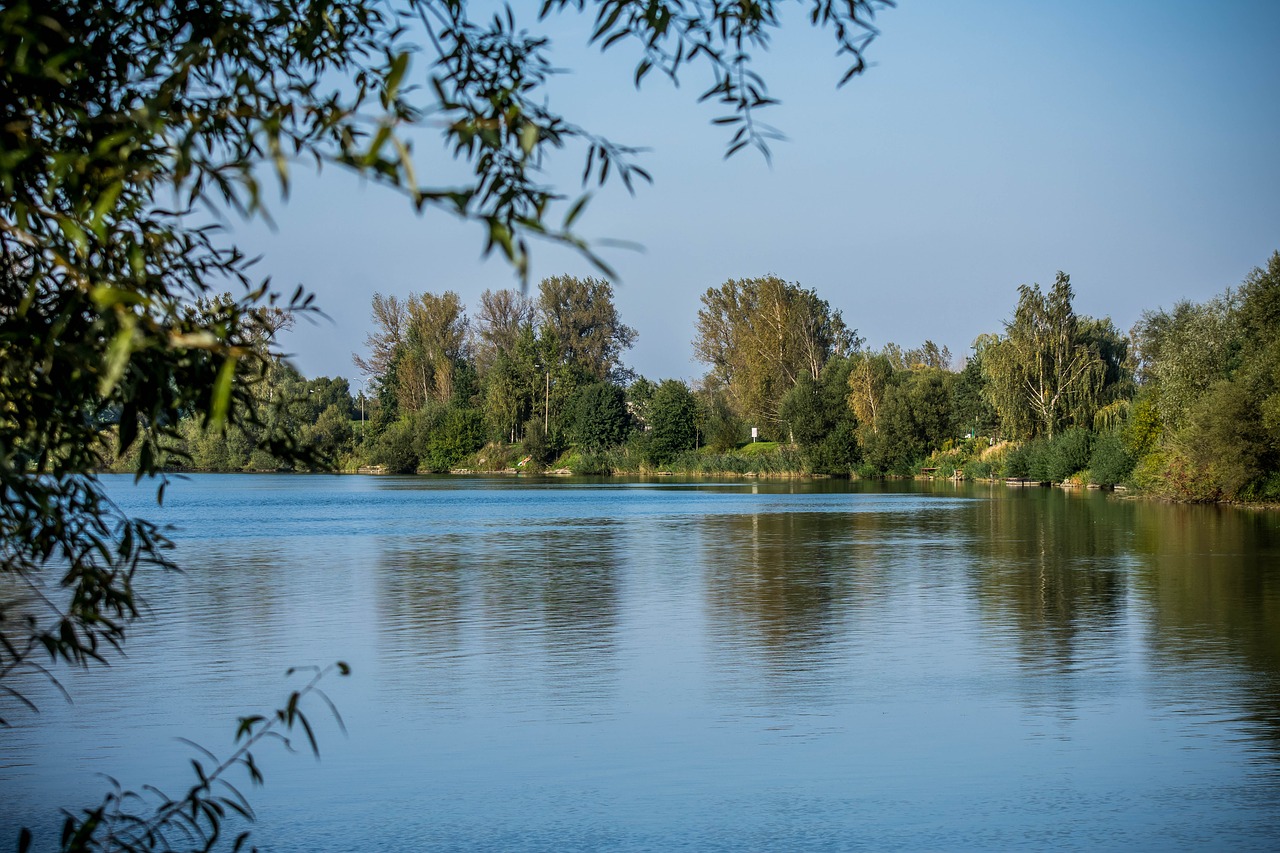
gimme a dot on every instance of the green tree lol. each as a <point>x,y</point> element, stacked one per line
<point>673,427</point>
<point>581,323</point>
<point>581,340</point>
<point>1212,373</point>
<point>600,417</point>
<point>869,378</point>
<point>331,433</point>
<point>435,339</point>
<point>446,435</point>
<point>639,396</point>
<point>720,424</point>
<point>915,418</point>
<point>759,336</point>
<point>1048,372</point>
<point>820,421</point>
<point>971,402</point>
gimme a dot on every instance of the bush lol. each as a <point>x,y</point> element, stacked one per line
<point>536,444</point>
<point>723,428</point>
<point>976,469</point>
<point>395,448</point>
<point>1017,461</point>
<point>452,436</point>
<point>1068,453</point>
<point>838,452</point>
<point>1038,461</point>
<point>1111,463</point>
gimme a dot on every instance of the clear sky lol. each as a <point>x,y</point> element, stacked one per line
<point>1134,144</point>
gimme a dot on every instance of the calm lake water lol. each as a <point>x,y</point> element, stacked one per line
<point>610,665</point>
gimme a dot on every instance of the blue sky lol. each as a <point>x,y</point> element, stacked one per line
<point>1133,145</point>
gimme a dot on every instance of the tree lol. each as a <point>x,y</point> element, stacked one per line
<point>1186,349</point>
<point>720,424</point>
<point>760,335</point>
<point>915,417</point>
<point>435,339</point>
<point>1044,376</point>
<point>673,427</point>
<point>970,401</point>
<point>501,320</point>
<point>580,341</point>
<point>120,117</point>
<point>600,417</point>
<point>445,435</point>
<point>581,324</point>
<point>869,378</point>
<point>390,315</point>
<point>820,421</point>
<point>1212,371</point>
<point>639,397</point>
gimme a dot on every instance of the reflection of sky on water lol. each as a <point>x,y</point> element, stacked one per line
<point>707,666</point>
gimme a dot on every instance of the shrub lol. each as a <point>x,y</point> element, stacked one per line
<point>1017,461</point>
<point>536,443</point>
<point>1111,462</point>
<point>976,469</point>
<point>1068,453</point>
<point>452,436</point>
<point>838,452</point>
<point>1038,461</point>
<point>395,448</point>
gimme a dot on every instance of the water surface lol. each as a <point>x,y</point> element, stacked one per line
<point>586,665</point>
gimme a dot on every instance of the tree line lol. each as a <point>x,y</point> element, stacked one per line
<point>1185,405</point>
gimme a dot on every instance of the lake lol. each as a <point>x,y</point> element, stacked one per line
<point>565,665</point>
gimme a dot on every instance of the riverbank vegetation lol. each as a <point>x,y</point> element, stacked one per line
<point>1186,405</point>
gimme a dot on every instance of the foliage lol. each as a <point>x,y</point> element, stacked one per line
<point>1019,460</point>
<point>536,443</point>
<point>673,427</point>
<point>1186,349</point>
<point>639,396</point>
<point>720,424</point>
<point>600,417</point>
<point>122,118</point>
<point>581,324</point>
<point>1067,453</point>
<point>804,414</point>
<point>971,407</point>
<point>434,345</point>
<point>1205,426</point>
<point>819,420</point>
<point>501,321</point>
<point>396,448</point>
<point>1051,369</point>
<point>1110,463</point>
<point>870,376</point>
<point>133,821</point>
<point>511,387</point>
<point>416,349</point>
<point>915,417</point>
<point>446,435</point>
<point>759,336</point>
